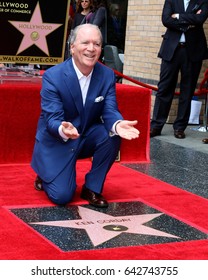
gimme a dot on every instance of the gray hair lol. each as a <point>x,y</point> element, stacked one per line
<point>75,31</point>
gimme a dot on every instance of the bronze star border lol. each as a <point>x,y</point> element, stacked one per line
<point>84,227</point>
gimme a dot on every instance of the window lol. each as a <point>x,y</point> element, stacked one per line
<point>116,23</point>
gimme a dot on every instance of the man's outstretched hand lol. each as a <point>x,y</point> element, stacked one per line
<point>125,129</point>
<point>69,130</point>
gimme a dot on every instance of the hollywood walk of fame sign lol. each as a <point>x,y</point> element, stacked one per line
<point>33,32</point>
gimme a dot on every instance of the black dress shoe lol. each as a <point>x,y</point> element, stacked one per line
<point>179,134</point>
<point>155,132</point>
<point>38,184</point>
<point>93,198</point>
<point>205,140</point>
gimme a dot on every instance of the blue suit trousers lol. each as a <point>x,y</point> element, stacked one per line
<point>103,149</point>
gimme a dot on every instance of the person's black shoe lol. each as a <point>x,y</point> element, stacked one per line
<point>38,184</point>
<point>179,134</point>
<point>205,140</point>
<point>93,198</point>
<point>155,132</point>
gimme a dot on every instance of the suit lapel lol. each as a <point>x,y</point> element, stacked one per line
<point>181,5</point>
<point>93,89</point>
<point>72,83</point>
<point>191,5</point>
<point>93,92</point>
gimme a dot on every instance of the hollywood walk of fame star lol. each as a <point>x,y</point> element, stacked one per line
<point>102,227</point>
<point>35,31</point>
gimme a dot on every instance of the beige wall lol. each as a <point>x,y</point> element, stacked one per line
<point>143,39</point>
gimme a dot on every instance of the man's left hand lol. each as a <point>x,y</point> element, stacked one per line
<point>125,129</point>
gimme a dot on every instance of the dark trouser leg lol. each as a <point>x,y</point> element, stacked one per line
<point>166,89</point>
<point>189,76</point>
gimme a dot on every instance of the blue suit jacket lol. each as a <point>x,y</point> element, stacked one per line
<point>61,100</point>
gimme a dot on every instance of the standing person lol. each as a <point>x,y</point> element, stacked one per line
<point>79,119</point>
<point>116,27</point>
<point>99,17</point>
<point>83,8</point>
<point>183,49</point>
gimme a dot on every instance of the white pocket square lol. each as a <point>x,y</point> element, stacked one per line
<point>99,99</point>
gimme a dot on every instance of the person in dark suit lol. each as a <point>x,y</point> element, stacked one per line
<point>79,119</point>
<point>182,50</point>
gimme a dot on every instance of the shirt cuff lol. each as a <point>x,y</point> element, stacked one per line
<point>63,136</point>
<point>113,129</point>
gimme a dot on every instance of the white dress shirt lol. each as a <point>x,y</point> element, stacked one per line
<point>84,81</point>
<point>186,3</point>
